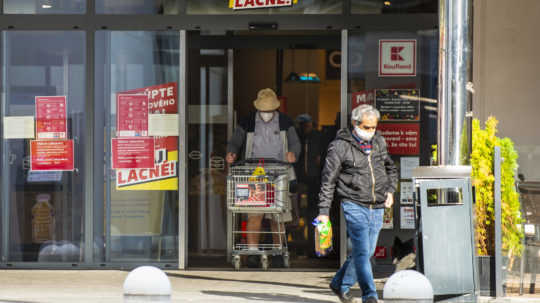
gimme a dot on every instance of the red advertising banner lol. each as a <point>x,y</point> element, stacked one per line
<point>163,175</point>
<point>133,153</point>
<point>132,115</point>
<point>51,117</point>
<point>51,155</point>
<point>362,97</point>
<point>401,138</point>
<point>380,252</point>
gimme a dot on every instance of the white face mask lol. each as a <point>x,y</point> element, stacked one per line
<point>363,134</point>
<point>266,116</point>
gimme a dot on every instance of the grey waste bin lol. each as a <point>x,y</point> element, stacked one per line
<point>445,228</point>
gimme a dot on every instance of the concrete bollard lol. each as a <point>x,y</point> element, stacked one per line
<point>147,284</point>
<point>408,286</point>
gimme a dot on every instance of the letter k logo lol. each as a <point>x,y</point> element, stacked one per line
<point>394,53</point>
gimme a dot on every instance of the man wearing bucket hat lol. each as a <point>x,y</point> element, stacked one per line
<point>266,133</point>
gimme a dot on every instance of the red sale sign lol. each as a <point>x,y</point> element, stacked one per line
<point>51,155</point>
<point>132,115</point>
<point>133,153</point>
<point>401,138</point>
<point>51,117</point>
<point>162,99</point>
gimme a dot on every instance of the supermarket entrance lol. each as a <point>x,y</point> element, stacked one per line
<point>225,73</point>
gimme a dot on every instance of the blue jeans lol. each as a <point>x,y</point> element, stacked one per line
<point>363,226</point>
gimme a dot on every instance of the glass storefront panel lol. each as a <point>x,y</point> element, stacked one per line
<point>43,171</point>
<point>44,7</point>
<point>207,141</point>
<point>393,6</point>
<point>384,68</point>
<point>155,7</point>
<point>217,7</point>
<point>137,75</point>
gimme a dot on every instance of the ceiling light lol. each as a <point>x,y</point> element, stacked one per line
<point>387,3</point>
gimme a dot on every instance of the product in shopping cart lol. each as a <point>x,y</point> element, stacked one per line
<point>323,237</point>
<point>252,194</point>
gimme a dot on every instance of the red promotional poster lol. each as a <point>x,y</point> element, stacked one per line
<point>401,138</point>
<point>162,99</point>
<point>51,117</point>
<point>51,155</point>
<point>362,97</point>
<point>133,153</point>
<point>132,115</point>
<point>380,252</point>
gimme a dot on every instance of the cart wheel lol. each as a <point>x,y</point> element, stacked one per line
<point>264,262</point>
<point>286,263</point>
<point>236,262</point>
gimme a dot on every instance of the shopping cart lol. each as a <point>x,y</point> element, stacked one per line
<point>257,186</point>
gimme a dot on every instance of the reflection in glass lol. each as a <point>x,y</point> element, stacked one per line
<point>44,7</point>
<point>217,7</point>
<point>445,196</point>
<point>139,219</point>
<point>156,7</point>
<point>393,6</point>
<point>46,209</point>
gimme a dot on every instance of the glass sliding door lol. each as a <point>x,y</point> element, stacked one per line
<point>207,141</point>
<point>43,146</point>
<point>136,127</point>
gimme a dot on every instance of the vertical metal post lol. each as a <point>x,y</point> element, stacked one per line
<point>455,71</point>
<point>182,157</point>
<point>88,231</point>
<point>498,220</point>
<point>230,126</point>
<point>343,119</point>
<point>5,155</point>
<point>108,125</point>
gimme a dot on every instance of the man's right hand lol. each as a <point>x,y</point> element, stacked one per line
<point>231,157</point>
<point>323,218</point>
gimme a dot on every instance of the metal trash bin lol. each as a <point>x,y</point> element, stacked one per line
<point>445,232</point>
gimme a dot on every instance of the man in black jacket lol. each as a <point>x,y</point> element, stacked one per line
<point>359,169</point>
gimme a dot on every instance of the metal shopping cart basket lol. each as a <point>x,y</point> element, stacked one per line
<point>257,186</point>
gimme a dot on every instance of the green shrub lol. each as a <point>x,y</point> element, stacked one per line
<point>483,144</point>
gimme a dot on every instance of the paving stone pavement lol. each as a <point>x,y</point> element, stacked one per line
<point>80,286</point>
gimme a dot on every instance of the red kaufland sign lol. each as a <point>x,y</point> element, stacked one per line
<point>397,58</point>
<point>401,138</point>
<point>249,4</point>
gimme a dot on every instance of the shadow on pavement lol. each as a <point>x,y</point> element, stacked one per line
<point>265,297</point>
<point>244,281</point>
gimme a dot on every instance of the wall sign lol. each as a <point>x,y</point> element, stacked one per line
<point>362,97</point>
<point>132,115</point>
<point>397,58</point>
<point>133,152</point>
<point>401,138</point>
<point>51,117</point>
<point>380,252</point>
<point>251,4</point>
<point>51,155</point>
<point>394,108</point>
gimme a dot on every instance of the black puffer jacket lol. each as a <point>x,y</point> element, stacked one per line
<point>356,176</point>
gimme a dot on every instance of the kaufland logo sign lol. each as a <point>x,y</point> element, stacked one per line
<point>250,4</point>
<point>397,58</point>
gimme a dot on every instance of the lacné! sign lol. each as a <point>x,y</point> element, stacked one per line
<point>251,4</point>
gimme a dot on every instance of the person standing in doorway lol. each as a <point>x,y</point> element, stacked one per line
<point>358,168</point>
<point>266,133</point>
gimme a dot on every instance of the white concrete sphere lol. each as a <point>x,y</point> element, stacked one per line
<point>147,281</point>
<point>408,285</point>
